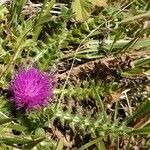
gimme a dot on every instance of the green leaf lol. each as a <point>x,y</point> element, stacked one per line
<point>28,142</point>
<point>39,132</point>
<point>15,140</point>
<point>33,143</point>
<point>132,72</point>
<point>15,11</point>
<point>3,11</point>
<point>60,145</point>
<point>87,145</point>
<point>43,19</point>
<point>145,108</point>
<point>142,43</point>
<point>23,34</point>
<point>145,130</point>
<point>16,127</point>
<point>142,62</point>
<point>125,44</point>
<point>49,7</point>
<point>99,101</point>
<point>45,16</point>
<point>82,9</point>
<point>3,121</point>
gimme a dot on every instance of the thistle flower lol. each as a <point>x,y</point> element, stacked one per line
<point>32,89</point>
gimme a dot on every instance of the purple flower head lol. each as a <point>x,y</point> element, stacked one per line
<point>32,89</point>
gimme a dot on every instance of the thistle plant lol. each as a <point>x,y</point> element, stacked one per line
<point>100,51</point>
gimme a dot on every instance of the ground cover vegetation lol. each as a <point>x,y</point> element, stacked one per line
<point>74,75</point>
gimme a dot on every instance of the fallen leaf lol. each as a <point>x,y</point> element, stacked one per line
<point>99,3</point>
<point>82,9</point>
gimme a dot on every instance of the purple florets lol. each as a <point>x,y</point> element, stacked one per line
<point>32,89</point>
